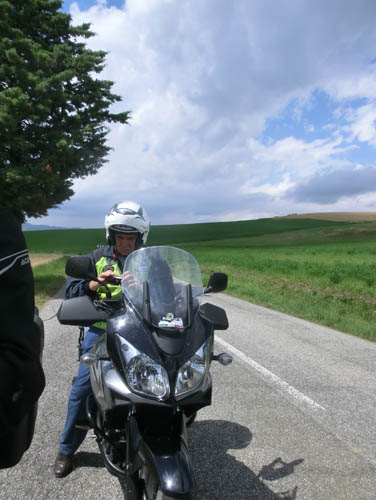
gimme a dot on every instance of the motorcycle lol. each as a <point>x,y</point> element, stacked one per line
<point>150,370</point>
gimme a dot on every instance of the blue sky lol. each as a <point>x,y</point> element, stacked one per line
<point>240,110</point>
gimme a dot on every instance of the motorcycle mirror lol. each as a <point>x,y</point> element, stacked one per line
<point>80,266</point>
<point>217,283</point>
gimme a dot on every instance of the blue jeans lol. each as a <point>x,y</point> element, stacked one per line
<point>71,437</point>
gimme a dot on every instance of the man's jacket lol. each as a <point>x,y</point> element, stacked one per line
<point>21,374</point>
<point>103,258</point>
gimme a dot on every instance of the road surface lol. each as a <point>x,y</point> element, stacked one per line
<point>292,418</point>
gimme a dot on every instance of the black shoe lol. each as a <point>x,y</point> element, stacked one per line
<point>63,465</point>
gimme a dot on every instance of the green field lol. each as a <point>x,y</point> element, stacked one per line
<point>321,271</point>
<point>76,241</point>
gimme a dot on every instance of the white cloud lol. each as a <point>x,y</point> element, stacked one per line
<point>298,157</point>
<point>363,127</point>
<point>275,190</point>
<point>356,85</point>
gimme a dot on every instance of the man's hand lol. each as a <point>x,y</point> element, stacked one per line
<point>104,279</point>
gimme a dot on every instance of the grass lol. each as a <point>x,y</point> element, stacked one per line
<point>322,271</point>
<point>64,241</point>
<point>48,278</point>
<point>318,284</point>
<point>82,241</point>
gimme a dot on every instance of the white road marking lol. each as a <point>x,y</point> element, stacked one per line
<point>269,376</point>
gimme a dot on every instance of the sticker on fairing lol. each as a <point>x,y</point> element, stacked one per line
<point>169,321</point>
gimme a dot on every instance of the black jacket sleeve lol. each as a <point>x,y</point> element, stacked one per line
<point>76,288</point>
<point>21,374</point>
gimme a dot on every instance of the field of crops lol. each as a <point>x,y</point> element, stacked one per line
<point>323,271</point>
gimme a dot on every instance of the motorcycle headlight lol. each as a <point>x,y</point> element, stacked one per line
<point>192,373</point>
<point>144,375</point>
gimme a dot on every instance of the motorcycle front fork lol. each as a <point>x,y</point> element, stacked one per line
<point>138,465</point>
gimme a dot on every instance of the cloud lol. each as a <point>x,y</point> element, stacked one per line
<point>363,124</point>
<point>204,79</point>
<point>329,187</point>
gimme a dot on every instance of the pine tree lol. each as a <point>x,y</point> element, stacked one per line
<point>54,109</point>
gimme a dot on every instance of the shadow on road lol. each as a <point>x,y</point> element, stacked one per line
<point>88,459</point>
<point>220,475</point>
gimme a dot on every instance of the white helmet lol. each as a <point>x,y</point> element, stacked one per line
<point>127,217</point>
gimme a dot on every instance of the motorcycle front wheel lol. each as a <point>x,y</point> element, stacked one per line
<point>144,494</point>
<point>159,495</point>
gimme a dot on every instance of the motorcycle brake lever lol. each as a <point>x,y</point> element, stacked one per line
<point>103,306</point>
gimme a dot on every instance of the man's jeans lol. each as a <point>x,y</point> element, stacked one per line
<point>72,437</point>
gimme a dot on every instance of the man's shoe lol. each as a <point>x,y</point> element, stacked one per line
<point>63,464</point>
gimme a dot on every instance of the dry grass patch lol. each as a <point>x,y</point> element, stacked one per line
<point>336,216</point>
<point>42,258</point>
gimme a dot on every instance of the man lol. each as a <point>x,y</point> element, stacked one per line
<point>127,228</point>
<point>21,374</point>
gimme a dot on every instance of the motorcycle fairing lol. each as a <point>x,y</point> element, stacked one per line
<point>154,343</point>
<point>216,315</point>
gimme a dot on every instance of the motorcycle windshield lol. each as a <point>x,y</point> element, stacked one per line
<point>160,276</point>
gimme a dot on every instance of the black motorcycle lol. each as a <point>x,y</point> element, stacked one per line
<point>150,370</point>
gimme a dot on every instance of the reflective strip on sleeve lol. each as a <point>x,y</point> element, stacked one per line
<point>16,256</point>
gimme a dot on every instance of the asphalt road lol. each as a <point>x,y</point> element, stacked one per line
<point>292,418</point>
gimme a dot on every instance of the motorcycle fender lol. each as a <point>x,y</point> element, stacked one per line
<point>174,471</point>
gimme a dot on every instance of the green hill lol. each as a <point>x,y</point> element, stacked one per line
<point>75,241</point>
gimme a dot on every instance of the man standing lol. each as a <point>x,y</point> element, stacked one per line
<point>21,374</point>
<point>127,228</point>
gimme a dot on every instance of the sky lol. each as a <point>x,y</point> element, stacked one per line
<point>240,110</point>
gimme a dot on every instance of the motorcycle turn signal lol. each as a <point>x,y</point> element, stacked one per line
<point>90,358</point>
<point>223,358</point>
